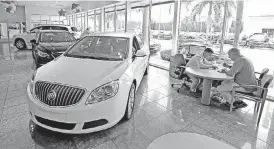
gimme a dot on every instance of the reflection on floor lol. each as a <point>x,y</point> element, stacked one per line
<point>158,110</point>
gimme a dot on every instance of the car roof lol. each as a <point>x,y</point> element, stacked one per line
<point>54,25</point>
<point>193,44</point>
<point>43,31</point>
<point>117,34</point>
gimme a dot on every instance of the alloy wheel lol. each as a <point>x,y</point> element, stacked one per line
<point>20,44</point>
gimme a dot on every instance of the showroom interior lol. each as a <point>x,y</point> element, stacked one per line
<point>134,93</point>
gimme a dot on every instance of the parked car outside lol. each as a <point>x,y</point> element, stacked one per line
<point>22,40</point>
<point>164,35</point>
<point>90,87</point>
<point>258,40</point>
<point>184,39</point>
<point>154,47</point>
<point>50,44</point>
<point>189,49</point>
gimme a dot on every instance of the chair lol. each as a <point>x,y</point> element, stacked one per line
<point>259,79</point>
<point>180,64</point>
<point>262,74</point>
<point>258,97</point>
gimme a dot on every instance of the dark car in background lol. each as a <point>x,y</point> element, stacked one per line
<point>49,44</point>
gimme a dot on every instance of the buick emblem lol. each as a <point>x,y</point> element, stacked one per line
<point>51,95</point>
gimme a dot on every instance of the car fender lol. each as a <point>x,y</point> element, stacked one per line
<point>20,37</point>
<point>127,79</point>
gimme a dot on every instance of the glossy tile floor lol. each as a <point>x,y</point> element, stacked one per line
<point>158,110</point>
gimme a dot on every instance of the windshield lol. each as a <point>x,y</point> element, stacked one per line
<point>57,37</point>
<point>100,47</point>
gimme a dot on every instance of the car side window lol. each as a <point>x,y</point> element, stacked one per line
<point>137,46</point>
<point>46,28</point>
<point>134,47</point>
<point>140,41</point>
<point>59,28</point>
<point>34,30</point>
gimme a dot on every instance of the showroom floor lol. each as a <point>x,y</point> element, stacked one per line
<point>159,110</point>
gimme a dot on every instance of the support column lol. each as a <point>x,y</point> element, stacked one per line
<point>175,34</point>
<point>102,23</point>
<point>223,30</point>
<point>175,27</point>
<point>127,16</point>
<point>94,21</point>
<point>239,17</point>
<point>115,18</point>
<point>149,27</point>
<point>146,25</point>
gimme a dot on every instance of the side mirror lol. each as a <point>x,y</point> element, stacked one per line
<point>33,41</point>
<point>140,53</point>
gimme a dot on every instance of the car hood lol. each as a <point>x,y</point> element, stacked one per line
<point>56,47</point>
<point>84,73</point>
<point>20,34</point>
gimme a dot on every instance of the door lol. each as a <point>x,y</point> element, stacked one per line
<point>139,63</point>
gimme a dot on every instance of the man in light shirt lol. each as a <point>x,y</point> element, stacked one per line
<point>243,73</point>
<point>202,62</point>
<point>85,33</point>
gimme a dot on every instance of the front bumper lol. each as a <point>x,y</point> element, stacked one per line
<point>79,118</point>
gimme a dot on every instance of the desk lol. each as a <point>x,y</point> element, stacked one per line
<point>187,141</point>
<point>208,75</point>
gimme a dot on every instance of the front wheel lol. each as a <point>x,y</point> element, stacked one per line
<point>130,102</point>
<point>20,44</point>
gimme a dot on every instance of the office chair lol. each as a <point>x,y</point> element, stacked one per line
<point>180,64</point>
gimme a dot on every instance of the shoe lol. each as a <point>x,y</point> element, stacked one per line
<point>215,99</point>
<point>194,94</point>
<point>237,105</point>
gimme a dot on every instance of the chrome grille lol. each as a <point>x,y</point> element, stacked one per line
<point>64,95</point>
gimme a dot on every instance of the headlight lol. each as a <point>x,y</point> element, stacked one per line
<point>41,53</point>
<point>103,92</point>
<point>31,83</point>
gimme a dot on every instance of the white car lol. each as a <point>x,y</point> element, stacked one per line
<point>22,40</point>
<point>91,86</point>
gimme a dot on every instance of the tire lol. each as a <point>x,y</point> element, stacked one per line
<point>20,44</point>
<point>130,102</point>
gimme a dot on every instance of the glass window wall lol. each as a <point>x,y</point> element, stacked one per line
<point>161,34</point>
<point>109,19</point>
<point>91,21</point>
<point>97,15</point>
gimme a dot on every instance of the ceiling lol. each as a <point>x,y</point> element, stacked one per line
<point>57,4</point>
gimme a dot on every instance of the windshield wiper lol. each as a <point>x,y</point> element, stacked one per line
<point>78,56</point>
<point>92,57</point>
<point>106,58</point>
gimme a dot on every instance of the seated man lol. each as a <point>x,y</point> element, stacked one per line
<point>202,62</point>
<point>243,73</point>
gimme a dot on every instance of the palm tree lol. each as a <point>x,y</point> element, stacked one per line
<point>214,7</point>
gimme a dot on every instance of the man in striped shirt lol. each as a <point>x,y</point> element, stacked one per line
<point>202,62</point>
